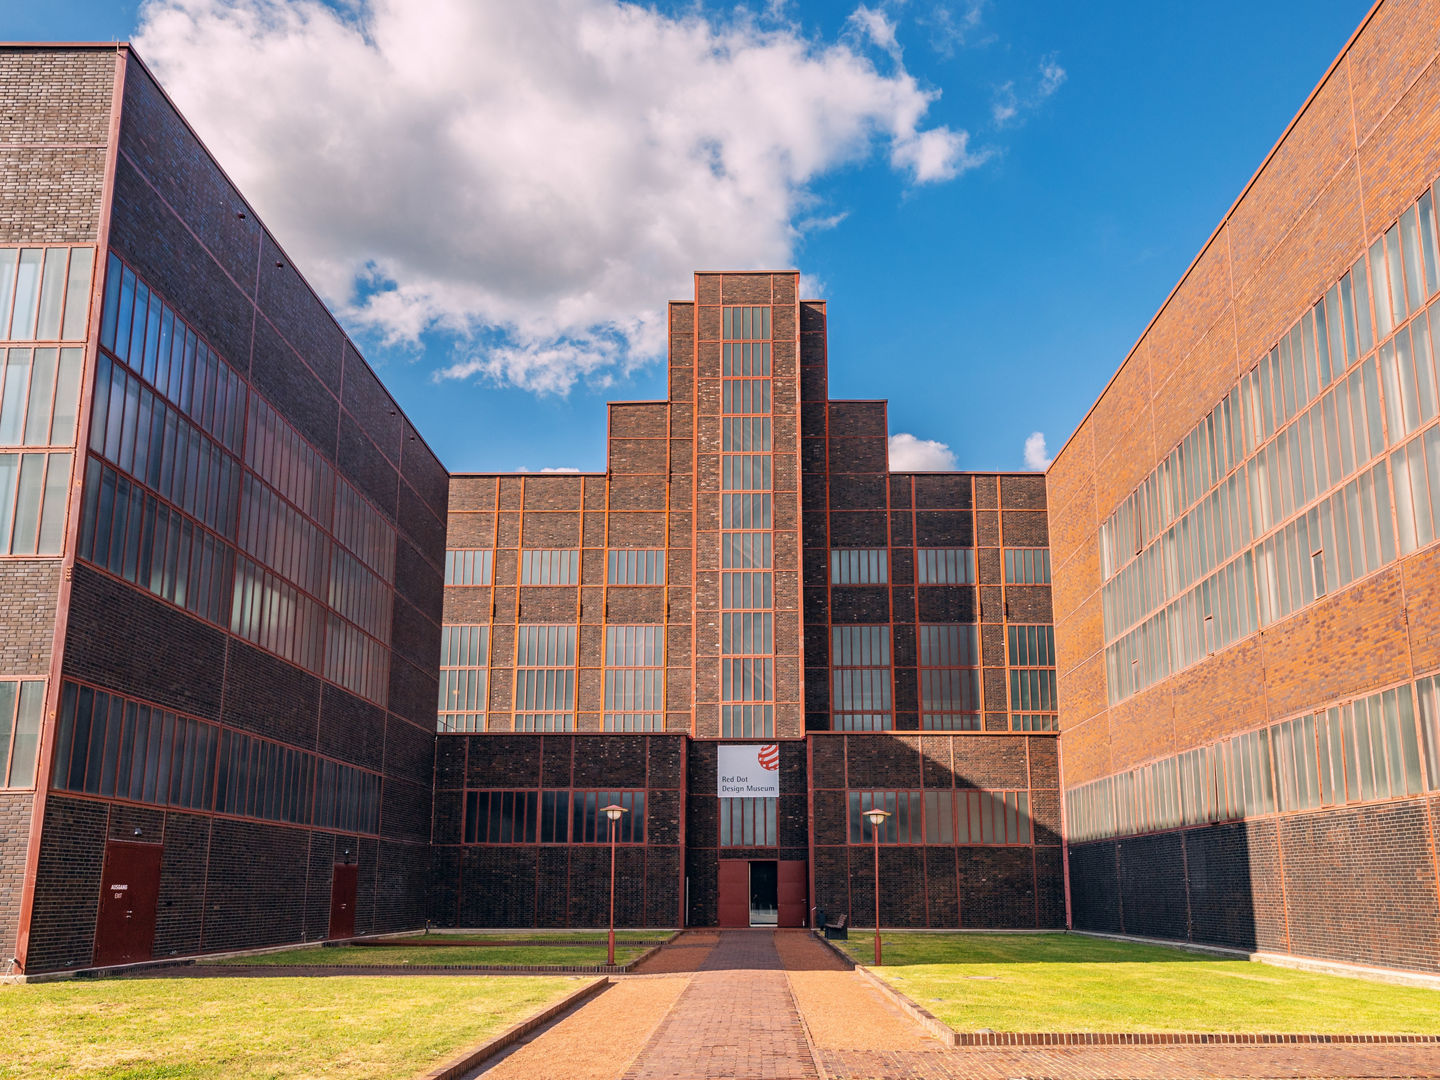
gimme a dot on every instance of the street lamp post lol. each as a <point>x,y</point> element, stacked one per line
<point>877,818</point>
<point>612,812</point>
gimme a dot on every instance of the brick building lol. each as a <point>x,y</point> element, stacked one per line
<point>1243,535</point>
<point>237,584</point>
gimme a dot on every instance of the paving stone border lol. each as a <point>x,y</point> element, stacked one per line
<point>459,1066</point>
<point>950,1037</point>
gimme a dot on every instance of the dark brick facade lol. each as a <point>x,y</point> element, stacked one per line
<point>962,885</point>
<point>558,884</point>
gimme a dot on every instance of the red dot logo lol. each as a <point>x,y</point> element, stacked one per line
<point>769,757</point>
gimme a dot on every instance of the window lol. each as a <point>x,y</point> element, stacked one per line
<point>859,566</point>
<point>745,551</point>
<point>44,293</point>
<point>501,817</point>
<point>950,677</point>
<point>942,817</point>
<point>634,678</point>
<point>464,683</point>
<point>589,826</point>
<point>637,566</point>
<point>21,702</point>
<point>1027,566</point>
<point>559,567</point>
<point>468,566</point>
<point>33,489</point>
<point>745,323</point>
<point>127,749</point>
<point>860,678</point>
<point>745,433</point>
<point>545,678</point>
<point>40,396</point>
<point>745,472</point>
<point>748,822</point>
<point>945,566</point>
<point>1032,678</point>
<point>745,511</point>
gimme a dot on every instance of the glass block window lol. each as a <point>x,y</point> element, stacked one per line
<point>544,678</point>
<point>21,702</point>
<point>945,566</point>
<point>550,567</point>
<point>637,566</point>
<point>45,293</point>
<point>1032,678</point>
<point>950,677</point>
<point>468,566</point>
<point>1027,566</point>
<point>634,678</point>
<point>860,678</point>
<point>859,566</point>
<point>748,822</point>
<point>464,682</point>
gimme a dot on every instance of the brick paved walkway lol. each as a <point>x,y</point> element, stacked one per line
<point>736,1020</point>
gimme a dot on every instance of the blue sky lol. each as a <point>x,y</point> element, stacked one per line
<point>988,287</point>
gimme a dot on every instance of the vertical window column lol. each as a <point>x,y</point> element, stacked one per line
<point>747,602</point>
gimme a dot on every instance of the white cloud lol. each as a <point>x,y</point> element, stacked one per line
<point>874,24</point>
<point>951,29</point>
<point>1009,104</point>
<point>548,469</point>
<point>546,174</point>
<point>1036,456</point>
<point>909,454</point>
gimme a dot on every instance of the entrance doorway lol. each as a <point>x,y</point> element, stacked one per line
<point>342,900</point>
<point>764,894</point>
<point>125,924</point>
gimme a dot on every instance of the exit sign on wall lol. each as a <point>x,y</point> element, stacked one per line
<point>748,772</point>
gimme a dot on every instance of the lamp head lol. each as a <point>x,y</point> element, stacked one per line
<point>877,817</point>
<point>613,812</point>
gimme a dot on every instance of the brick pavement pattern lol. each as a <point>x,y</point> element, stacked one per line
<point>736,1020</point>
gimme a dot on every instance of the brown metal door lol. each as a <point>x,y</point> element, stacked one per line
<point>342,900</point>
<point>130,891</point>
<point>792,892</point>
<point>734,898</point>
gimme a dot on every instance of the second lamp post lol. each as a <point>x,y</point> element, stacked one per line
<point>877,818</point>
<point>614,813</point>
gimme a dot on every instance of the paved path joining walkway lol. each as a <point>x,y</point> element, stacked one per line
<point>736,1019</point>
<point>763,1005</point>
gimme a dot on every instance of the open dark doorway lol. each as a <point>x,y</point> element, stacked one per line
<point>764,893</point>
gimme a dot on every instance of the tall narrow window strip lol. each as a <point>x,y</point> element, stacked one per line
<point>860,678</point>
<point>464,677</point>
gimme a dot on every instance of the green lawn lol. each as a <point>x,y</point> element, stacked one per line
<point>1066,982</point>
<point>249,1029</point>
<point>453,955</point>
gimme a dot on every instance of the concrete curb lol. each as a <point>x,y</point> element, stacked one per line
<point>963,1039</point>
<point>459,1066</point>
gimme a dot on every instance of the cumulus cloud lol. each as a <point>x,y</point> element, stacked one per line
<point>1036,456</point>
<point>909,454</point>
<point>533,178</point>
<point>1010,105</point>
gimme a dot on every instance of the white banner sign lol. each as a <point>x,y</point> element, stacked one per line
<point>749,772</point>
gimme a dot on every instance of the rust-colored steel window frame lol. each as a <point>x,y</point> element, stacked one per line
<point>949,674</point>
<point>952,817</point>
<point>159,379</point>
<point>45,292</point>
<point>124,749</point>
<point>22,702</point>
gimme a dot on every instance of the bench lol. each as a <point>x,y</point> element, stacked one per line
<point>836,928</point>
